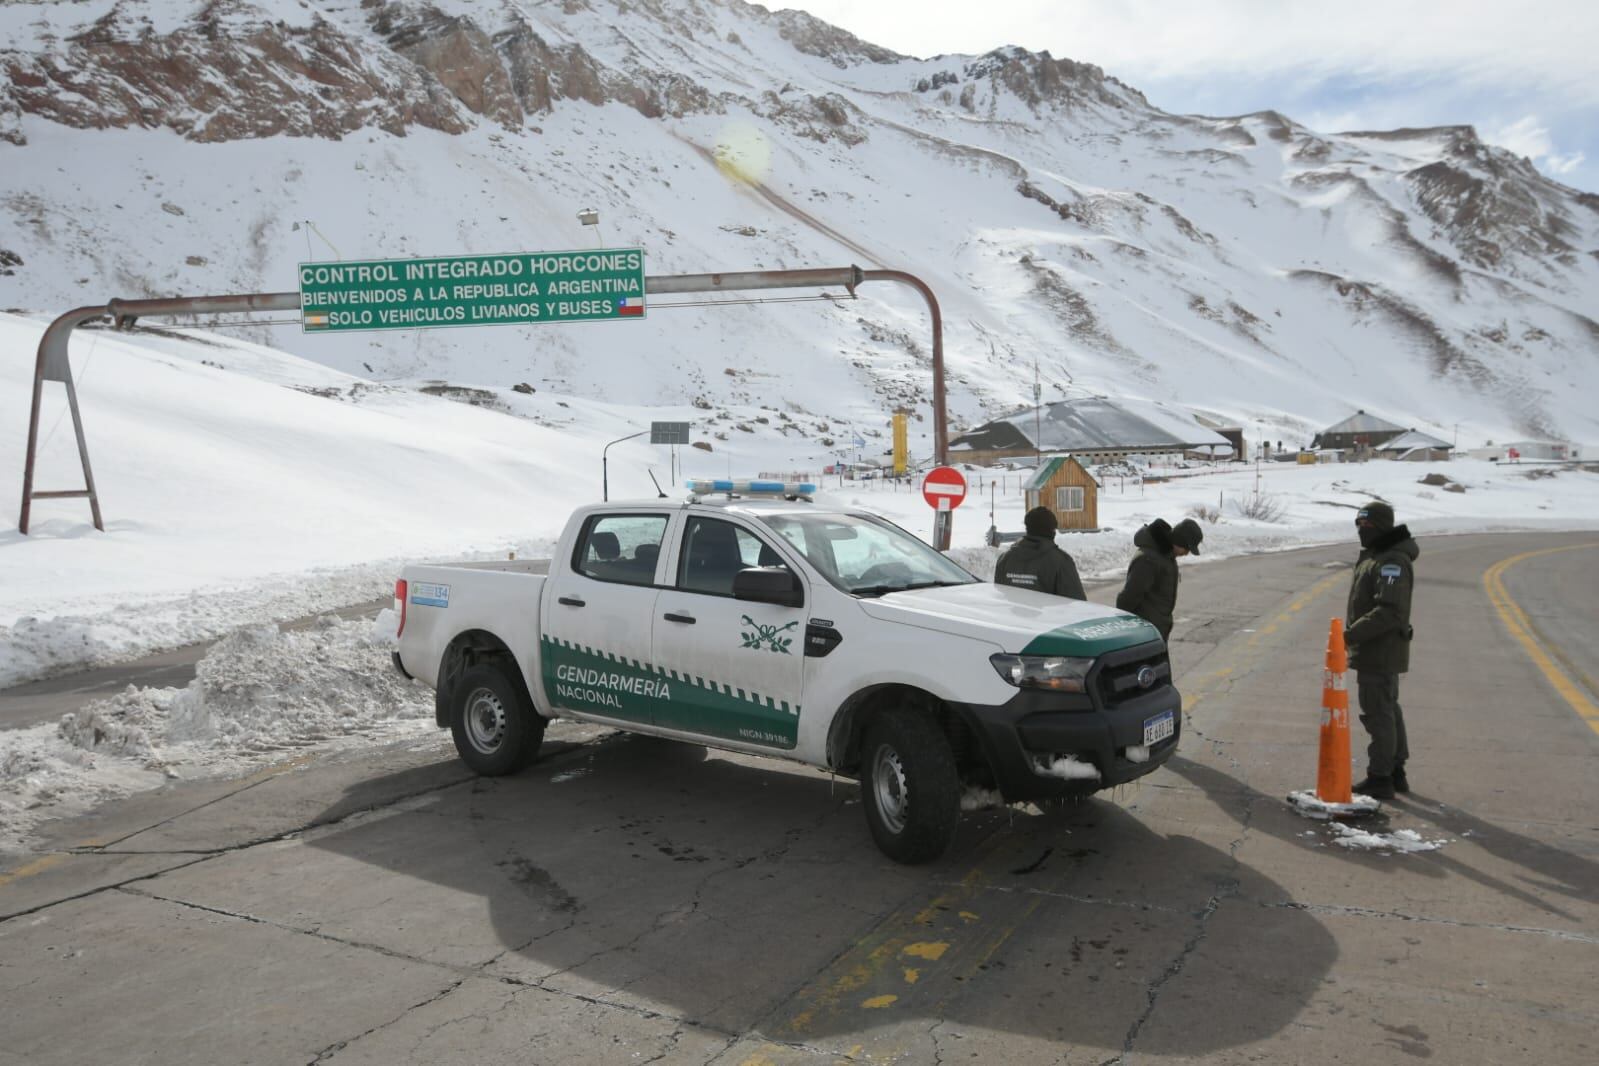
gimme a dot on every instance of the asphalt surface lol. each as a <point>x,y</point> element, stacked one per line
<point>629,900</point>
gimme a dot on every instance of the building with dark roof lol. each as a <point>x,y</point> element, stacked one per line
<point>1095,429</point>
<point>1359,430</point>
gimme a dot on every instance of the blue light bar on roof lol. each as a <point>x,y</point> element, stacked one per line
<point>750,487</point>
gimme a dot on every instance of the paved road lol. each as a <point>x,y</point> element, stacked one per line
<point>48,700</point>
<point>629,900</point>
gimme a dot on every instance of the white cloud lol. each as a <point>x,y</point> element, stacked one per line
<point>1529,137</point>
<point>1565,164</point>
<point>1525,136</point>
<point>1534,43</point>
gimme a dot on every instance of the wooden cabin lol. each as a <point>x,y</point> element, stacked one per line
<point>1067,489</point>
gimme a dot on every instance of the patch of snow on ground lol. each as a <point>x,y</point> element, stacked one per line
<point>258,695</point>
<point>1311,805</point>
<point>1400,840</point>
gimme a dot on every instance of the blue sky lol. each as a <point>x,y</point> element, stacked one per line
<point>1521,71</point>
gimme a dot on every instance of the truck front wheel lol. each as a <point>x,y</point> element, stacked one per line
<point>496,731</point>
<point>910,788</point>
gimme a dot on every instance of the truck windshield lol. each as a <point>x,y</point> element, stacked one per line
<point>865,555</point>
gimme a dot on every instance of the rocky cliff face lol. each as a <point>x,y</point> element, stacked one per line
<point>224,76</point>
<point>231,72</point>
<point>1494,206</point>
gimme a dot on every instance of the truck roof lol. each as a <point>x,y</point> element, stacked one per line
<point>740,504</point>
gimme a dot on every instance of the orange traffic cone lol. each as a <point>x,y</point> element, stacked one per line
<point>1332,772</point>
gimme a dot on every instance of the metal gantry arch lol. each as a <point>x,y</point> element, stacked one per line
<point>53,365</point>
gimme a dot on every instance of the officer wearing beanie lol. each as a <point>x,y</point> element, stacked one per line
<point>1034,562</point>
<point>1151,589</point>
<point>1377,631</point>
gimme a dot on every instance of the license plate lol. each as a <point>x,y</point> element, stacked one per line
<point>1159,727</point>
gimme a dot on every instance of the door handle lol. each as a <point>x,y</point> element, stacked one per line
<point>570,601</point>
<point>685,618</point>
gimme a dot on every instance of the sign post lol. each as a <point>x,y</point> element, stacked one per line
<point>944,489</point>
<point>671,433</point>
<point>472,290</point>
<point>901,446</point>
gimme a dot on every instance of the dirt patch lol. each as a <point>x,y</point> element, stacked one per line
<point>464,394</point>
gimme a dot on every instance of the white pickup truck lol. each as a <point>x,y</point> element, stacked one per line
<point>791,629</point>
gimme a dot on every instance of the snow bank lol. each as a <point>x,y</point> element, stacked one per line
<point>35,647</point>
<point>258,695</point>
<point>240,484</point>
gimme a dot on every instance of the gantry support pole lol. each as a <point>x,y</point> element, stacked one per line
<point>53,365</point>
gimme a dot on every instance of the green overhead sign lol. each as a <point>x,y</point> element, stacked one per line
<point>473,290</point>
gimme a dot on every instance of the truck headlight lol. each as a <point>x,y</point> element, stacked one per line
<point>1057,673</point>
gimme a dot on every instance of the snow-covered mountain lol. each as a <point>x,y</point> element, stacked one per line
<point>1247,267</point>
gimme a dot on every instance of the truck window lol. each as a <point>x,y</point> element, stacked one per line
<point>714,550</point>
<point>621,548</point>
<point>864,555</point>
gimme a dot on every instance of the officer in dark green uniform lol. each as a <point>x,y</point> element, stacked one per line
<point>1034,562</point>
<point>1151,588</point>
<point>1378,632</point>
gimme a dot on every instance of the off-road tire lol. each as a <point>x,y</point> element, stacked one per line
<point>910,788</point>
<point>495,727</point>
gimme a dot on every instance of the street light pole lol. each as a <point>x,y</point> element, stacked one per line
<point>605,469</point>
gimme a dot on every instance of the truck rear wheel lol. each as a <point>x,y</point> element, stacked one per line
<point>496,731</point>
<point>910,788</point>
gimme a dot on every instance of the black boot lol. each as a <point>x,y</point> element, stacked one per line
<point>1376,787</point>
<point>1401,782</point>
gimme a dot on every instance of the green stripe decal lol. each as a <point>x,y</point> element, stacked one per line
<point>583,679</point>
<point>597,682</point>
<point>1094,637</point>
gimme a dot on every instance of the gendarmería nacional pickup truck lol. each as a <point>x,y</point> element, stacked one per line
<point>787,628</point>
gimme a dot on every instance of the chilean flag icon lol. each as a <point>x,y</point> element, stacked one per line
<point>630,305</point>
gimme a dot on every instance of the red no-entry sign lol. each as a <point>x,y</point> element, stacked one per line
<point>944,488</point>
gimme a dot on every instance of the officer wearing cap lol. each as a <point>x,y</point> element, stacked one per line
<point>1151,588</point>
<point>1377,631</point>
<point>1034,562</point>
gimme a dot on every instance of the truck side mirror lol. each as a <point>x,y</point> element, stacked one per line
<point>769,584</point>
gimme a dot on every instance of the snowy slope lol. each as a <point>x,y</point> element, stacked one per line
<point>240,484</point>
<point>1248,267</point>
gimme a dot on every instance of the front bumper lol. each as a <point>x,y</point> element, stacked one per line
<point>1041,724</point>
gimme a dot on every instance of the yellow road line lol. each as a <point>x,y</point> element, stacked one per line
<point>898,952</point>
<point>37,866</point>
<point>1521,627</point>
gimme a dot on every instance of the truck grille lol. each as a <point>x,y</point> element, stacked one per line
<point>1117,682</point>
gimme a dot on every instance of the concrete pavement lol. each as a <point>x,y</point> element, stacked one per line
<point>630,900</point>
